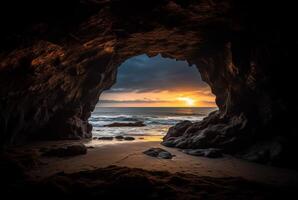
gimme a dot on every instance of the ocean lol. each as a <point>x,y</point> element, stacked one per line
<point>157,119</point>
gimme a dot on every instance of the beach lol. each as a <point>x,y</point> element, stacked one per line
<point>130,154</point>
<point>119,169</point>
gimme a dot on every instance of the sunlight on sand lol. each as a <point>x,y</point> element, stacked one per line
<point>152,138</point>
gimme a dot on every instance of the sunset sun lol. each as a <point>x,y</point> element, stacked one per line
<point>188,101</point>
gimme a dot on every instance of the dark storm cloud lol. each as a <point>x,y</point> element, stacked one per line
<point>144,74</point>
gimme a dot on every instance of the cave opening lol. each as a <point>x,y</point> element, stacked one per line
<point>150,95</point>
<point>59,58</point>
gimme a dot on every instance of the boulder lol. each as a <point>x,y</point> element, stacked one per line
<point>105,138</point>
<point>119,137</point>
<point>178,129</point>
<point>129,138</point>
<point>158,153</point>
<point>214,131</point>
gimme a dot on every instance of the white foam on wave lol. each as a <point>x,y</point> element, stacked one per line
<point>157,123</point>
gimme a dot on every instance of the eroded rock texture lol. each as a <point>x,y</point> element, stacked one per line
<point>116,182</point>
<point>58,56</point>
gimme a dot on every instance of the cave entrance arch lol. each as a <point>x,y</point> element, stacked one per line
<point>150,95</point>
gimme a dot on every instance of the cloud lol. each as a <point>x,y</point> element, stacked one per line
<point>106,101</point>
<point>143,74</point>
<point>207,102</point>
<point>126,90</point>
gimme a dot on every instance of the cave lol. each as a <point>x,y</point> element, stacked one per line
<point>55,66</point>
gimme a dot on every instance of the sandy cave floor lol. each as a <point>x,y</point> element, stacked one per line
<point>129,154</point>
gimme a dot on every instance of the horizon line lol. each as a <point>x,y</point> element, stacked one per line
<point>156,106</point>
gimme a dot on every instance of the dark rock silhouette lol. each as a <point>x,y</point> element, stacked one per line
<point>128,138</point>
<point>158,153</point>
<point>105,138</point>
<point>54,67</point>
<point>119,137</point>
<point>177,130</point>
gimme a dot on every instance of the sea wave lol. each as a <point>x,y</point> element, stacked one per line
<point>166,120</point>
<point>157,120</point>
<point>131,131</point>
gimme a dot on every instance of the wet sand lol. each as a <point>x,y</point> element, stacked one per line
<point>129,154</point>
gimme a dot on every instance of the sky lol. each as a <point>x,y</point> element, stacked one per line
<point>157,82</point>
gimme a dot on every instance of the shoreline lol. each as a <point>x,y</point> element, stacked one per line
<point>139,138</point>
<point>130,154</point>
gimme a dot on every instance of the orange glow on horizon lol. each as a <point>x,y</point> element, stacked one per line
<point>165,98</point>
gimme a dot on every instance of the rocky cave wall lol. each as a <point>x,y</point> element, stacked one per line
<point>54,67</point>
